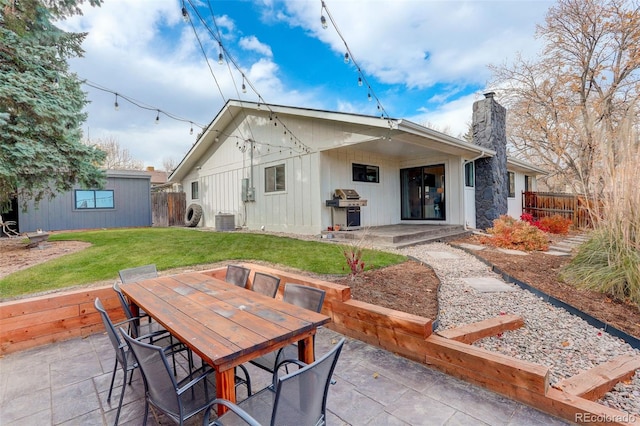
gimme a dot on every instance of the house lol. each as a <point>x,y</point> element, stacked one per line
<point>125,201</point>
<point>279,168</point>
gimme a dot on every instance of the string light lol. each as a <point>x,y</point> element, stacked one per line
<point>220,57</point>
<point>348,56</point>
<point>185,15</point>
<point>223,56</point>
<point>141,105</point>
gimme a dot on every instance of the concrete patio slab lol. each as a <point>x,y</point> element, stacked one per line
<point>488,284</point>
<point>373,387</point>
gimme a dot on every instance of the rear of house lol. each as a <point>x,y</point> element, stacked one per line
<point>278,168</point>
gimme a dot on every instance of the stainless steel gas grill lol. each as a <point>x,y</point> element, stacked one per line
<point>345,209</point>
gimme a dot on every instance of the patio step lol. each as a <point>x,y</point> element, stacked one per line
<point>398,238</point>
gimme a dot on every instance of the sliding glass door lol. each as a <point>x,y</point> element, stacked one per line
<point>422,190</point>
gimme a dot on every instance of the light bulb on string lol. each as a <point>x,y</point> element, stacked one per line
<point>115,105</point>
<point>369,97</point>
<point>185,15</point>
<point>360,81</point>
<point>158,117</point>
<point>220,56</point>
<point>323,21</point>
<point>244,86</point>
<point>191,130</point>
<point>346,58</point>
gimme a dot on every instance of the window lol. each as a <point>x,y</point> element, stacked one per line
<point>528,183</point>
<point>364,173</point>
<point>274,178</point>
<point>94,199</point>
<point>469,175</point>
<point>512,184</point>
<point>194,191</point>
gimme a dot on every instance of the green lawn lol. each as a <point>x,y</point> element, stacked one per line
<point>168,248</point>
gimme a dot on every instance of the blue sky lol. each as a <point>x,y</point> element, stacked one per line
<point>426,61</point>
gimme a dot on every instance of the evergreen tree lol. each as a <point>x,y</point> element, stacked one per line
<point>41,103</point>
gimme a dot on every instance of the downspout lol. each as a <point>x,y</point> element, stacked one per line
<point>464,162</point>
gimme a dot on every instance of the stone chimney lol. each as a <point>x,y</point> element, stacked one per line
<point>490,131</point>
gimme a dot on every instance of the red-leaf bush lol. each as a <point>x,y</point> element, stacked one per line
<point>555,224</point>
<point>511,233</point>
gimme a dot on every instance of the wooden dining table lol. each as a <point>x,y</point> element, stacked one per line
<point>224,324</point>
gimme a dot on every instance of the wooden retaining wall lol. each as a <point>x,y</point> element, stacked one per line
<point>47,319</point>
<point>42,320</point>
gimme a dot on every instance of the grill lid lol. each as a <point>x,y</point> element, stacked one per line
<point>347,194</point>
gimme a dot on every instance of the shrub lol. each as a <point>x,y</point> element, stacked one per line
<point>555,224</point>
<point>608,264</point>
<point>508,232</point>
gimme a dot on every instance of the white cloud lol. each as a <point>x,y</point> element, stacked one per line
<point>392,39</point>
<point>143,49</point>
<point>252,43</point>
<point>454,116</point>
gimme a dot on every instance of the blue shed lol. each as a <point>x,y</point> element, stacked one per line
<point>125,201</point>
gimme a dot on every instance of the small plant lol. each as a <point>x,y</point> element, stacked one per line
<point>353,255</point>
<point>511,233</point>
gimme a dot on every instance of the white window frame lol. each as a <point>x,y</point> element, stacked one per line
<point>195,190</point>
<point>277,182</point>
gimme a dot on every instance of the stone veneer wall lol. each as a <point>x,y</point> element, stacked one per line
<point>490,131</point>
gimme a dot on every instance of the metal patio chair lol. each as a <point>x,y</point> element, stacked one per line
<point>298,398</point>
<point>265,284</point>
<point>132,275</point>
<point>124,357</point>
<point>179,400</point>
<point>237,275</point>
<point>306,297</point>
<point>139,273</point>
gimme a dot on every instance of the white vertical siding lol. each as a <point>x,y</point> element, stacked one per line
<point>383,198</point>
<point>514,205</point>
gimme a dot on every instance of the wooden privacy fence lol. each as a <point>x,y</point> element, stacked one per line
<point>168,208</point>
<point>570,206</point>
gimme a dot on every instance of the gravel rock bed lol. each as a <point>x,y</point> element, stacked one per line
<point>551,336</point>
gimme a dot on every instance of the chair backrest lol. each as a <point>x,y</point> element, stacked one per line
<point>118,344</point>
<point>306,297</point>
<point>123,300</point>
<point>265,284</point>
<point>138,273</point>
<point>301,396</point>
<point>161,386</point>
<point>237,275</point>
